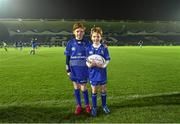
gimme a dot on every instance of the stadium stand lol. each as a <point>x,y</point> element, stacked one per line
<point>56,32</point>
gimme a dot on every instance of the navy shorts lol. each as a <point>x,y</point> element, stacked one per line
<point>96,83</point>
<point>79,81</point>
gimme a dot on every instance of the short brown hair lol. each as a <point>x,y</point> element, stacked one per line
<point>97,30</point>
<point>78,25</point>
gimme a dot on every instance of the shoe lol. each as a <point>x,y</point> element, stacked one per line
<point>78,110</point>
<point>88,108</point>
<point>94,111</point>
<point>106,110</point>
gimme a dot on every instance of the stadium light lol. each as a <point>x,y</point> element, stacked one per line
<point>3,1</point>
<point>3,4</point>
<point>19,19</point>
<point>41,20</point>
<point>18,30</point>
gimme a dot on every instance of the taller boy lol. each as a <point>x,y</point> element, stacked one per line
<point>76,65</point>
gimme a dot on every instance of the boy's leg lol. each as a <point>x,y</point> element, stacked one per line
<point>86,97</point>
<point>103,94</point>
<point>78,98</point>
<point>103,99</point>
<point>85,93</point>
<point>94,101</point>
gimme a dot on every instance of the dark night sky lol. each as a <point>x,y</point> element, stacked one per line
<point>92,9</point>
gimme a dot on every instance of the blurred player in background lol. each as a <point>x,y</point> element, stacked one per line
<point>140,43</point>
<point>20,45</point>
<point>76,66</point>
<point>5,46</point>
<point>16,45</point>
<point>97,72</point>
<point>33,46</point>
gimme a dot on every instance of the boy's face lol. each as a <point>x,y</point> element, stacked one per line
<point>96,38</point>
<point>79,33</point>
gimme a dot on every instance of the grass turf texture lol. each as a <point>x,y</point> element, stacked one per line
<point>143,86</point>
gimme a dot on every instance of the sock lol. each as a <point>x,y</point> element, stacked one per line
<point>94,100</point>
<point>77,96</point>
<point>103,99</point>
<point>86,97</point>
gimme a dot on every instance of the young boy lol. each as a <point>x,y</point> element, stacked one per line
<point>97,72</point>
<point>76,65</point>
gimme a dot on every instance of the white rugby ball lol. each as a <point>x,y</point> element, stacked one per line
<point>98,59</point>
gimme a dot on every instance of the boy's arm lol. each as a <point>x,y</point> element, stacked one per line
<point>105,64</point>
<point>67,64</point>
<point>107,58</point>
<point>67,52</point>
<point>90,64</point>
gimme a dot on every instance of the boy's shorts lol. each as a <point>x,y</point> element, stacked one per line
<point>96,83</point>
<point>79,81</point>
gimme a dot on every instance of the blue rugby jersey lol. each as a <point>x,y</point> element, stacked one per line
<point>33,44</point>
<point>97,74</point>
<point>76,52</point>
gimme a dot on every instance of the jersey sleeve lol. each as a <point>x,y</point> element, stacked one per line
<point>67,64</point>
<point>106,54</point>
<point>67,51</point>
<point>87,52</point>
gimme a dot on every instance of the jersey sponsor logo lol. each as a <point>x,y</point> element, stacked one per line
<point>102,52</point>
<point>73,48</point>
<point>79,54</point>
<point>77,63</point>
<point>90,52</point>
<point>82,81</point>
<point>78,57</point>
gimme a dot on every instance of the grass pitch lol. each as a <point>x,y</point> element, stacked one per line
<point>143,86</point>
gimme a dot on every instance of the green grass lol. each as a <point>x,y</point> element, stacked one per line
<point>143,86</point>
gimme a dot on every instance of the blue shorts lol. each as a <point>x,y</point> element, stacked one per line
<point>96,83</point>
<point>79,81</point>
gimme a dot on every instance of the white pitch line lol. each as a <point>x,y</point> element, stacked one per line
<point>68,101</point>
<point>142,96</point>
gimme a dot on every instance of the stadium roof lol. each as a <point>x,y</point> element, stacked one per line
<point>91,9</point>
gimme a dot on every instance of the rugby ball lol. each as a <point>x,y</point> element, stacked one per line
<point>96,58</point>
